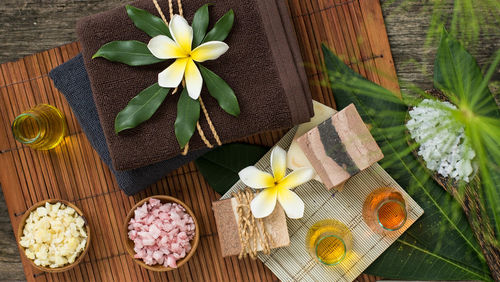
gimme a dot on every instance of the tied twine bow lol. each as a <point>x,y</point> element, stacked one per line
<point>205,112</point>
<point>250,229</point>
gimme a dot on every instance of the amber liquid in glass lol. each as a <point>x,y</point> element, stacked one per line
<point>328,241</point>
<point>384,210</point>
<point>42,127</point>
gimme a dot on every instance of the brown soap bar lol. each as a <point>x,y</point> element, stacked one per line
<point>340,147</point>
<point>226,220</point>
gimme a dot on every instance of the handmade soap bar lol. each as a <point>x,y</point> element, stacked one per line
<point>340,147</point>
<point>295,156</point>
<point>226,219</point>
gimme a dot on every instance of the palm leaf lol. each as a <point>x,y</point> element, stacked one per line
<point>441,245</point>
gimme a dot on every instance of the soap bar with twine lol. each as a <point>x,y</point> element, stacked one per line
<point>340,147</point>
<point>243,235</point>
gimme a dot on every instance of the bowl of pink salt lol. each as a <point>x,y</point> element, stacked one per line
<point>161,233</point>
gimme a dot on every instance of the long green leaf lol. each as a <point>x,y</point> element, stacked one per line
<point>200,25</point>
<point>457,72</point>
<point>132,53</point>
<point>141,107</point>
<point>220,166</point>
<point>221,29</point>
<point>441,244</point>
<point>145,21</point>
<point>221,91</point>
<point>188,113</point>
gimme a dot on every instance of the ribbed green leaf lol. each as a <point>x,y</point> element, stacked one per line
<point>221,29</point>
<point>132,53</point>
<point>441,244</point>
<point>145,21</point>
<point>221,91</point>
<point>141,107</point>
<point>200,25</point>
<point>457,73</point>
<point>188,113</point>
<point>220,166</point>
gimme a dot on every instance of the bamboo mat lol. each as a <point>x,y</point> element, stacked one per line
<point>293,263</point>
<point>354,29</point>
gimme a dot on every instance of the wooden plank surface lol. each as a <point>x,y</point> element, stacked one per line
<point>73,171</point>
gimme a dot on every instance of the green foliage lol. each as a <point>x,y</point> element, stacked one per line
<point>141,107</point>
<point>145,21</point>
<point>441,245</point>
<point>457,74</point>
<point>132,53</point>
<point>200,24</point>
<point>221,91</point>
<point>220,166</point>
<point>188,113</point>
<point>221,29</point>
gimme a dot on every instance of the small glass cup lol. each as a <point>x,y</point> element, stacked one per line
<point>42,127</point>
<point>329,241</point>
<point>384,210</point>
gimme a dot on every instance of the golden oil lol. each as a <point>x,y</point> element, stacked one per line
<point>329,241</point>
<point>384,210</point>
<point>42,127</point>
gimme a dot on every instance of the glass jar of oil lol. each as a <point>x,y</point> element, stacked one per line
<point>384,210</point>
<point>42,127</point>
<point>329,241</point>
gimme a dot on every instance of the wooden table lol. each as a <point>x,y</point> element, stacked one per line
<point>30,26</point>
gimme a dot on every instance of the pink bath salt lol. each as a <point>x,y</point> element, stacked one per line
<point>132,234</point>
<point>141,212</point>
<point>161,233</point>
<point>154,231</point>
<point>154,203</point>
<point>170,262</point>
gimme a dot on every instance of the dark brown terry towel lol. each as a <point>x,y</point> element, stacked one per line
<point>263,66</point>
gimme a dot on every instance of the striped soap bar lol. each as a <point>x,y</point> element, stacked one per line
<point>340,147</point>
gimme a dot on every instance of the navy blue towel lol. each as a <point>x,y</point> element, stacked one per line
<point>72,81</point>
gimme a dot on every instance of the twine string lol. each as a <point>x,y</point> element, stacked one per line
<point>251,230</point>
<point>205,112</point>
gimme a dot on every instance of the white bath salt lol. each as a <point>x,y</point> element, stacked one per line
<point>54,235</point>
<point>443,143</point>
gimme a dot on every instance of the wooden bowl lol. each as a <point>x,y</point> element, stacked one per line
<point>21,228</point>
<point>129,244</point>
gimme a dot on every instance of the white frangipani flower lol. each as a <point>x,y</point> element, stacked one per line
<point>276,187</point>
<point>179,48</point>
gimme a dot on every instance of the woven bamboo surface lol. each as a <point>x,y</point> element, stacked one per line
<point>74,172</point>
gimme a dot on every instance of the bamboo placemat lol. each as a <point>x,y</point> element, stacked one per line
<point>293,263</point>
<point>74,172</point>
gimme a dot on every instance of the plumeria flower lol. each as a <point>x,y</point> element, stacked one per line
<point>276,186</point>
<point>179,48</point>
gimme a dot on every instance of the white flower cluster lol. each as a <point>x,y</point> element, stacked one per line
<point>443,143</point>
<point>54,235</point>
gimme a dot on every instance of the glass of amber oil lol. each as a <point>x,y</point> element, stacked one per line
<point>329,241</point>
<point>384,210</point>
<point>42,127</point>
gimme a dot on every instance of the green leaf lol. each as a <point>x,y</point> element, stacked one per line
<point>457,73</point>
<point>220,166</point>
<point>441,244</point>
<point>141,107</point>
<point>221,91</point>
<point>145,21</point>
<point>188,113</point>
<point>200,24</point>
<point>221,29</point>
<point>132,53</point>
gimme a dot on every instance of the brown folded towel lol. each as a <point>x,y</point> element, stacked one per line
<point>263,66</point>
